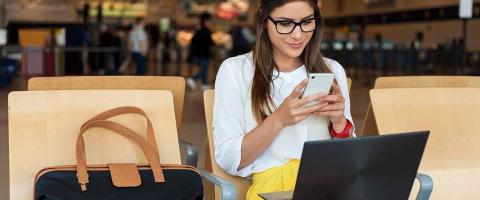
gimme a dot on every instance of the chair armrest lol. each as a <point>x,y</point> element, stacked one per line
<point>192,153</point>
<point>426,186</point>
<point>229,191</point>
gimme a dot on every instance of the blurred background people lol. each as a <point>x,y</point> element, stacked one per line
<point>138,41</point>
<point>242,37</point>
<point>201,46</point>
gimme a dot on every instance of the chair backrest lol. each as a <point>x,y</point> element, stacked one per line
<point>172,83</point>
<point>369,127</point>
<point>451,155</point>
<point>43,128</point>
<point>427,81</point>
<point>242,184</point>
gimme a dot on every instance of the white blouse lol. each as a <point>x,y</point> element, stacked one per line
<point>233,116</point>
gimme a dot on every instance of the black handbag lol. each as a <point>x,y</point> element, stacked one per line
<point>121,180</point>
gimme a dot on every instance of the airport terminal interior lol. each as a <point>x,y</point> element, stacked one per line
<point>369,38</point>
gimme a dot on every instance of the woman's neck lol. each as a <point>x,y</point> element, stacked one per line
<point>286,63</point>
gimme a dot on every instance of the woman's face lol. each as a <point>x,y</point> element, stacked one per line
<point>292,44</point>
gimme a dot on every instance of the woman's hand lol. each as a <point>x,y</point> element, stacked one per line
<point>293,109</point>
<point>335,109</point>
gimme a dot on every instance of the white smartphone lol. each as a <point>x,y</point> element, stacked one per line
<point>318,82</point>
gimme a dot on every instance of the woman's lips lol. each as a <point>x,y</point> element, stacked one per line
<point>295,45</point>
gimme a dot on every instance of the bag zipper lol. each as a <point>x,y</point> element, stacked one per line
<point>105,168</point>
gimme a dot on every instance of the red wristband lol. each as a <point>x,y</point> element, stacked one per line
<point>344,134</point>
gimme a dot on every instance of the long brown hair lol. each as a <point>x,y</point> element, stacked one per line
<point>262,102</point>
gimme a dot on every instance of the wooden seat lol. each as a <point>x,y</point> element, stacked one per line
<point>242,184</point>
<point>451,155</point>
<point>43,127</point>
<point>369,127</point>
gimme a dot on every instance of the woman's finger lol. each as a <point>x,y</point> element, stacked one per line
<point>310,109</point>
<point>329,113</point>
<point>332,107</point>
<point>302,117</point>
<point>314,97</point>
<point>333,98</point>
<point>336,89</point>
<point>298,90</point>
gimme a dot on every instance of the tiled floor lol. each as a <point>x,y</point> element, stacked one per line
<point>193,128</point>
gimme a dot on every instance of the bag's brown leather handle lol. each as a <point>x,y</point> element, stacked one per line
<point>150,153</point>
<point>128,110</point>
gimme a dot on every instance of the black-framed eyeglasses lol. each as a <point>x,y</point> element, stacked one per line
<point>287,26</point>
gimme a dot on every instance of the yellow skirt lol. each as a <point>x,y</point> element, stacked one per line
<point>277,179</point>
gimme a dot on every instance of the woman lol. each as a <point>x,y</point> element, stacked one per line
<point>260,122</point>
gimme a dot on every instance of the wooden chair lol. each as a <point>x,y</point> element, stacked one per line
<point>451,155</point>
<point>43,127</point>
<point>241,184</point>
<point>369,127</point>
<point>174,84</point>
